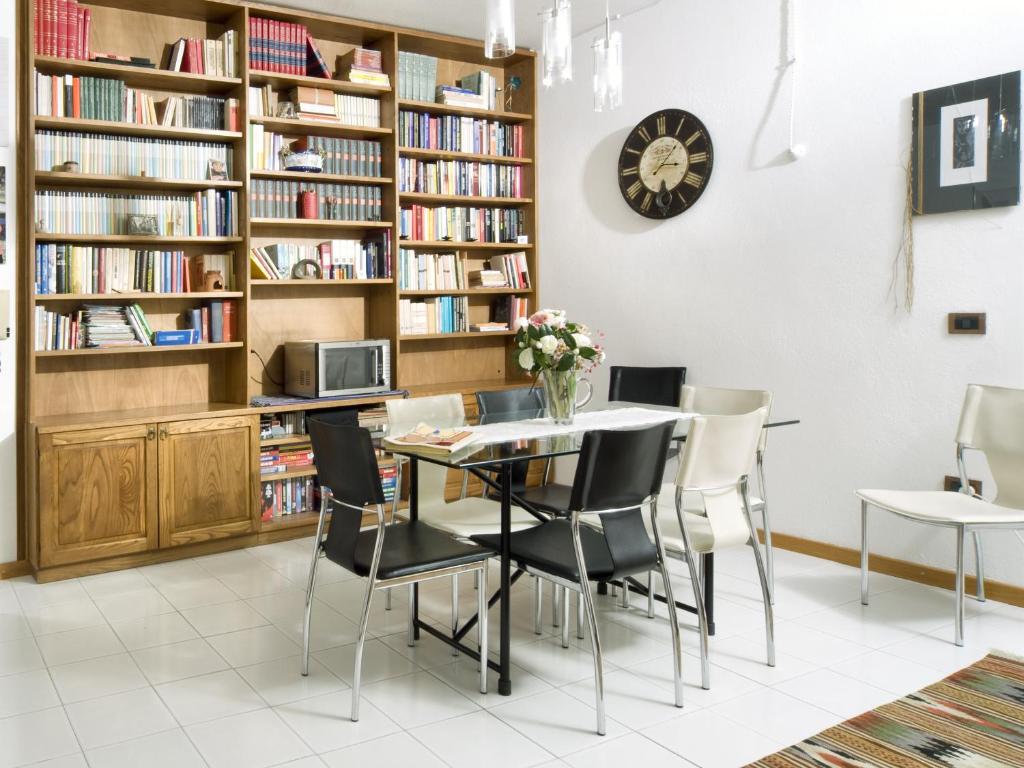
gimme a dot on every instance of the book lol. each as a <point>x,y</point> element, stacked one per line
<point>459,177</point>
<point>432,440</point>
<point>457,133</point>
<point>315,64</point>
<point>174,338</point>
<point>488,327</point>
<point>207,213</point>
<point>462,224</point>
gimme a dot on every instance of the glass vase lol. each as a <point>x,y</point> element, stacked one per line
<point>560,392</point>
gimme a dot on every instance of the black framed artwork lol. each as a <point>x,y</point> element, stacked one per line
<point>966,149</point>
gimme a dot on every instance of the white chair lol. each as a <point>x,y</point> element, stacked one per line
<point>992,422</point>
<point>466,517</point>
<point>712,503</point>
<point>718,401</point>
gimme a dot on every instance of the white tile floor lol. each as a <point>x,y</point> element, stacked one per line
<point>196,663</point>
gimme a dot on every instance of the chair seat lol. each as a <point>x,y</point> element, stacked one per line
<point>941,507</point>
<point>548,547</point>
<point>553,498</point>
<point>473,516</point>
<point>412,548</point>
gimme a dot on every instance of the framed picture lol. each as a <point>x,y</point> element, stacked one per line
<point>142,224</point>
<point>966,148</point>
<point>216,170</point>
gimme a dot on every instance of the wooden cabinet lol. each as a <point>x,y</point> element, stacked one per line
<point>97,495</point>
<point>207,477</point>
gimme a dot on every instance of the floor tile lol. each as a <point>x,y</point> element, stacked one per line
<point>20,655</point>
<point>222,618</point>
<point>64,616</point>
<point>280,681</point>
<point>146,601</point>
<point>631,749</point>
<point>710,740</point>
<point>810,645</point>
<point>858,624</point>
<point>940,653</point>
<point>168,749</point>
<point>123,716</point>
<point>556,721</point>
<point>153,630</point>
<point>176,661</point>
<point>328,628</point>
<point>890,673</point>
<point>76,760</point>
<point>380,662</point>
<point>207,697</point>
<point>725,684</point>
<point>464,676</point>
<point>386,752</point>
<point>835,693</point>
<point>749,658</point>
<point>250,740</point>
<point>252,646</point>
<point>94,678</point>
<point>775,715</point>
<point>79,644</point>
<point>631,700</point>
<point>324,722</point>
<point>195,592</point>
<point>260,580</point>
<point>548,660</point>
<point>36,736</point>
<point>462,741</point>
<point>32,594</point>
<point>114,583</point>
<point>13,625</point>
<point>27,692</point>
<point>417,699</point>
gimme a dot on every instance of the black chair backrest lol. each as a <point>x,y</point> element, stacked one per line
<point>510,400</point>
<point>347,464</point>
<point>652,386</point>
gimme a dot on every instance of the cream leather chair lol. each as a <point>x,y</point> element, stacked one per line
<point>992,422</point>
<point>466,517</point>
<point>712,504</point>
<point>718,401</point>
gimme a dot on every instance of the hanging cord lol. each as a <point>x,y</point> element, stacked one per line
<point>266,371</point>
<point>796,151</point>
<point>904,259</point>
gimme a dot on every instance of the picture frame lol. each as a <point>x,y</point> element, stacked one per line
<point>966,145</point>
<point>142,224</point>
<point>216,170</point>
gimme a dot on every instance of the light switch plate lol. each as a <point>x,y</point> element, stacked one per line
<point>967,323</point>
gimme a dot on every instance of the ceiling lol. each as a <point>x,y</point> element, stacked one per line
<point>466,17</point>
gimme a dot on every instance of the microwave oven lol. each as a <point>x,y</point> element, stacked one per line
<point>331,368</point>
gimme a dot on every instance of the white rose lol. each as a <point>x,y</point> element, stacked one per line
<point>522,322</point>
<point>582,340</point>
<point>526,359</point>
<point>548,344</point>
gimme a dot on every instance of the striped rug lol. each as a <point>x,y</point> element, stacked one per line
<point>972,719</point>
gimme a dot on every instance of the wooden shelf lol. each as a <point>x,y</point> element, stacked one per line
<point>466,335</point>
<point>301,472</point>
<point>60,179</point>
<point>319,127</point>
<point>46,297</point>
<point>139,77</point>
<point>445,154</point>
<point>296,520</point>
<point>278,80</point>
<point>137,350</point>
<point>319,223</point>
<point>131,129</point>
<point>467,292</point>
<point>306,282</point>
<point>458,245</point>
<point>51,237</point>
<point>447,109</point>
<point>321,177</point>
<point>471,200</point>
<point>286,440</point>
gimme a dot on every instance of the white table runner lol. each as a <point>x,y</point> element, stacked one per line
<point>617,418</point>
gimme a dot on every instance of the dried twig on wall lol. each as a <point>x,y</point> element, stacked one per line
<point>903,263</point>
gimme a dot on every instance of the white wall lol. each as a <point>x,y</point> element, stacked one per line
<point>779,276</point>
<point>8,453</point>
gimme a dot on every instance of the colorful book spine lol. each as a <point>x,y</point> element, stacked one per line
<point>275,199</point>
<point>458,177</point>
<point>454,133</point>
<point>462,224</point>
<point>207,213</point>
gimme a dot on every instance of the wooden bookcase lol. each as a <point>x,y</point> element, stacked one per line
<point>124,404</point>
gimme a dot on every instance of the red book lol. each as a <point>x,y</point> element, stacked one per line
<point>200,63</point>
<point>51,27</point>
<point>73,49</point>
<point>252,43</point>
<point>276,59</point>
<point>86,24</point>
<point>205,334</point>
<point>293,67</point>
<point>229,320</point>
<point>35,27</point>
<point>62,28</point>
<point>299,49</point>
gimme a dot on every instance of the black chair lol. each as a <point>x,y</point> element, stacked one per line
<point>389,556</point>
<point>522,400</point>
<point>651,386</point>
<point>618,473</point>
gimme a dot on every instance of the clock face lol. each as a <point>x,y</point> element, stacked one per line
<point>665,164</point>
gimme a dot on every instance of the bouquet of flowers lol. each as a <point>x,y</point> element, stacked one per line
<point>547,341</point>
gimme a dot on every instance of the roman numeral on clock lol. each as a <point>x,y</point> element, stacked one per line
<point>630,171</point>
<point>679,127</point>
<point>646,204</point>
<point>634,189</point>
<point>642,132</point>
<point>693,137</point>
<point>693,179</point>
<point>661,124</point>
<point>699,157</point>
<point>682,199</point>
<point>632,151</point>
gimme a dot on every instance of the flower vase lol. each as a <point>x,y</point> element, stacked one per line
<point>560,394</point>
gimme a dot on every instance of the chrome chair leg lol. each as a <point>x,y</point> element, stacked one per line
<point>455,609</point>
<point>694,563</point>
<point>411,640</point>
<point>556,604</point>
<point>311,584</point>
<point>650,594</point>
<point>769,618</point>
<point>979,567</point>
<point>387,599</point>
<point>625,594</point>
<point>958,632</point>
<point>769,555</point>
<point>670,603</point>
<point>579,617</point>
<point>565,617</point>
<point>481,625</point>
<point>595,637</point>
<point>538,604</point>
<point>357,673</point>
<point>863,552</point>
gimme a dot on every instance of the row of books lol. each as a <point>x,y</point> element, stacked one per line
<point>508,309</point>
<point>363,65</point>
<point>342,108</point>
<point>290,496</point>
<point>435,314</point>
<point>453,133</point>
<point>462,224</point>
<point>417,76</point>
<point>216,321</point>
<point>93,326</point>
<point>282,458</point>
<point>61,28</point>
<point>205,57</point>
<point>285,47</point>
<point>282,424</point>
<point>349,157</point>
<point>513,268</point>
<point>459,177</point>
<point>99,153</point>
<point>368,259</point>
<point>104,98</point>
<point>481,91</point>
<point>206,213</point>
<point>271,198</point>
<point>430,271</point>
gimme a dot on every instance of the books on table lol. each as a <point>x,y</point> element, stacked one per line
<point>432,440</point>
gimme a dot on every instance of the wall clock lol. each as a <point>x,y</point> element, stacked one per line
<point>665,163</point>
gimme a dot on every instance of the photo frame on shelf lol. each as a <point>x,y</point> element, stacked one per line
<point>966,145</point>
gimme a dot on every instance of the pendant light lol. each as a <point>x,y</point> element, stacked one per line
<point>557,43</point>
<point>608,67</point>
<point>500,33</point>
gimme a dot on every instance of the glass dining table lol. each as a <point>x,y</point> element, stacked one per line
<point>506,439</point>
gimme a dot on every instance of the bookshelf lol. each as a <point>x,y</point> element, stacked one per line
<point>160,406</point>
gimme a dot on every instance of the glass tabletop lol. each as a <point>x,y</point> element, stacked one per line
<point>490,454</point>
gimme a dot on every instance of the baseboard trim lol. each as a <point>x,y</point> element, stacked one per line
<point>891,566</point>
<point>15,568</point>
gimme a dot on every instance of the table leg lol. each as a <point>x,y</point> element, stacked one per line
<point>504,681</point>
<point>709,590</point>
<point>414,514</point>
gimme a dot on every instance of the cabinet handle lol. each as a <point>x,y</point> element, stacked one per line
<point>163,433</point>
<point>151,434</point>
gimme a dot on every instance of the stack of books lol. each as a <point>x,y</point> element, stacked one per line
<point>205,57</point>
<point>388,477</point>
<point>62,29</point>
<point>487,278</point>
<point>214,323</point>
<point>484,85</point>
<point>490,327</point>
<point>459,97</point>
<point>281,46</point>
<point>283,458</point>
<point>417,76</point>
<point>437,314</point>
<point>373,419</point>
<point>513,268</point>
<point>488,225</point>
<point>369,259</point>
<point>430,271</point>
<point>112,326</point>
<point>460,134</point>
<point>314,103</point>
<point>363,65</point>
<point>282,424</point>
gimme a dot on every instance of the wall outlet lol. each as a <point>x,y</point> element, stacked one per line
<point>953,484</point>
<point>967,322</point>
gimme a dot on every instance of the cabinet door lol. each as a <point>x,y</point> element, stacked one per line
<point>207,478</point>
<point>97,494</point>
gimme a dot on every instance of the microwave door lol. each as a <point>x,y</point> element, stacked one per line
<point>346,369</point>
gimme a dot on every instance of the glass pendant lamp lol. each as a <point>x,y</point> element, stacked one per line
<point>557,43</point>
<point>500,33</point>
<point>608,69</point>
